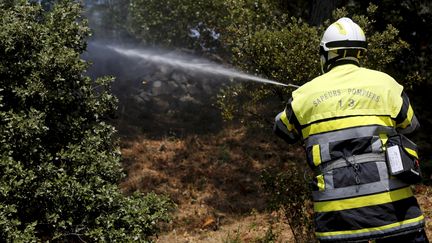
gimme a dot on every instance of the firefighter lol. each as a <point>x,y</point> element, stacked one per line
<point>346,119</point>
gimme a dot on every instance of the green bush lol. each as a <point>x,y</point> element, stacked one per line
<point>286,50</point>
<point>59,159</point>
<point>289,191</point>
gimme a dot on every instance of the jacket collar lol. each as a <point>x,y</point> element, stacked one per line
<point>344,61</point>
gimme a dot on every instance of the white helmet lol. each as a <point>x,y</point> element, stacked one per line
<point>342,39</point>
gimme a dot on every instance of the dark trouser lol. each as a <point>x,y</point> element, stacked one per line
<point>414,237</point>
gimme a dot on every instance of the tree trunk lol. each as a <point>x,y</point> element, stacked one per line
<point>321,10</point>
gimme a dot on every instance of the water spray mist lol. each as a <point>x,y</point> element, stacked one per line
<point>191,64</point>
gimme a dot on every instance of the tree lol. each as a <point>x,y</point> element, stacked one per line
<point>321,10</point>
<point>260,38</point>
<point>176,23</point>
<point>59,162</point>
<point>107,19</point>
<point>285,49</point>
<point>411,18</point>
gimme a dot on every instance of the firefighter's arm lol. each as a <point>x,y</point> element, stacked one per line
<point>285,125</point>
<point>406,121</point>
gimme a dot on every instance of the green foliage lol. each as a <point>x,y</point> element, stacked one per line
<point>269,237</point>
<point>383,46</point>
<point>286,50</point>
<point>107,18</point>
<point>289,191</point>
<point>170,23</point>
<point>269,39</point>
<point>411,18</point>
<point>59,162</point>
<point>273,39</point>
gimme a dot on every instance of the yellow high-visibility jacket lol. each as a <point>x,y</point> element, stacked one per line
<point>344,118</point>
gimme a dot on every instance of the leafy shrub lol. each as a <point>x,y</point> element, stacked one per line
<point>288,190</point>
<point>286,50</point>
<point>59,161</point>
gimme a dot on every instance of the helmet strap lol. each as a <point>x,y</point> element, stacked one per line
<point>357,53</point>
<point>344,56</point>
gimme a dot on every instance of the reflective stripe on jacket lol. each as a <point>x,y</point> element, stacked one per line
<point>344,118</point>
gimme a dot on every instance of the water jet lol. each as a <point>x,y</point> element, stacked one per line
<point>192,64</point>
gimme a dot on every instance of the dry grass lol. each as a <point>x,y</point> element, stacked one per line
<point>424,197</point>
<point>215,181</point>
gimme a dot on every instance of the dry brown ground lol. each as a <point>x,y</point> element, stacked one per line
<point>214,180</point>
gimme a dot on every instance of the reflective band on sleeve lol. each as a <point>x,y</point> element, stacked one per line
<point>408,120</point>
<point>363,201</point>
<point>284,119</point>
<point>348,122</point>
<point>281,126</point>
<point>374,229</point>
<point>320,183</point>
<point>316,154</point>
